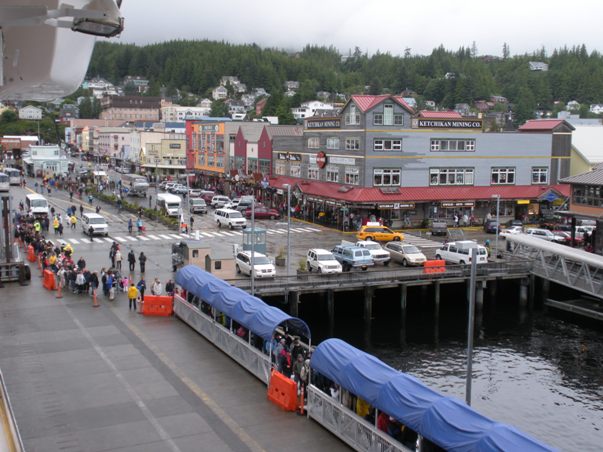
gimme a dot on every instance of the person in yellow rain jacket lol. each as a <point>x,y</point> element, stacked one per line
<point>132,296</point>
<point>73,221</point>
<point>55,225</point>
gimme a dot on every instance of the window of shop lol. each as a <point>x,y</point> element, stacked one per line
<point>313,142</point>
<point>252,166</point>
<point>540,175</point>
<point>352,117</point>
<point>452,145</point>
<point>240,163</point>
<point>386,177</point>
<point>265,166</point>
<point>295,170</point>
<point>210,160</point>
<point>220,161</point>
<point>313,172</point>
<point>503,176</point>
<point>352,144</point>
<point>380,144</point>
<point>451,176</point>
<point>352,175</point>
<point>280,168</point>
<point>333,143</point>
<point>332,173</point>
<point>588,195</point>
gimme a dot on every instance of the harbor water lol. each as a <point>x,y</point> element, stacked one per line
<point>541,373</point>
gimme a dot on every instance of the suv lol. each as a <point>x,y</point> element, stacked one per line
<point>230,218</point>
<point>322,261</point>
<point>379,255</point>
<point>262,266</point>
<point>197,205</point>
<point>439,228</point>
<point>95,223</point>
<point>378,233</point>
<point>219,201</point>
<point>352,257</point>
<point>460,252</point>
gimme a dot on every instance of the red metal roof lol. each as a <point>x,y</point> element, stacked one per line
<point>352,194</point>
<point>365,102</point>
<point>440,114</point>
<point>541,124</point>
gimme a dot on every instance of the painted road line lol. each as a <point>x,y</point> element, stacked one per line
<point>298,230</point>
<point>143,238</point>
<point>163,236</point>
<point>85,240</point>
<point>314,229</point>
<point>107,239</point>
<point>280,231</point>
<point>237,232</point>
<point>186,236</point>
<point>154,237</point>
<point>270,232</point>
<point>206,234</point>
<point>309,229</point>
<point>174,236</point>
<point>121,239</point>
<point>131,239</point>
<point>74,241</point>
<point>97,240</point>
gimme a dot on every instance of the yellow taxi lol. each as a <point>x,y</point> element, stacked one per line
<point>378,233</point>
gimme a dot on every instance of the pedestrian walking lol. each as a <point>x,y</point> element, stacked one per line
<point>132,296</point>
<point>131,260</point>
<point>60,229</point>
<point>118,259</point>
<point>142,261</point>
<point>130,225</point>
<point>112,256</point>
<point>81,210</point>
<point>156,288</point>
<point>192,223</point>
<point>141,286</point>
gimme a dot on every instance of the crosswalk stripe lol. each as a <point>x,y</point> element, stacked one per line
<point>186,236</point>
<point>298,230</point>
<point>237,233</point>
<point>143,238</point>
<point>74,241</point>
<point>164,236</point>
<point>270,232</point>
<point>174,236</point>
<point>85,241</point>
<point>121,239</point>
<point>206,234</point>
<point>228,234</point>
<point>280,231</point>
<point>97,240</point>
<point>107,239</point>
<point>131,239</point>
<point>154,237</point>
<point>309,229</point>
<point>313,229</point>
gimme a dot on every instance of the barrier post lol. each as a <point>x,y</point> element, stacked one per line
<point>94,300</point>
<point>59,289</point>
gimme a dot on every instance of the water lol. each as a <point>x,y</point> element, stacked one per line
<point>541,374</point>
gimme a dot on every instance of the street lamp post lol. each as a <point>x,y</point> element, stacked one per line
<point>288,227</point>
<point>497,224</point>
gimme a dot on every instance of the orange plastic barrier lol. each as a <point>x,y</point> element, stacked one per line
<point>282,391</point>
<point>157,305</point>
<point>48,282</point>
<point>31,254</point>
<point>434,266</point>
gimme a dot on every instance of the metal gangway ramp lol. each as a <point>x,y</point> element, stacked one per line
<point>571,267</point>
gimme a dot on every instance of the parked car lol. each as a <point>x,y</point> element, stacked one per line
<point>378,233</point>
<point>168,186</point>
<point>162,185</point>
<point>233,203</point>
<point>460,252</point>
<point>219,201</point>
<point>197,205</point>
<point>322,261</point>
<point>515,222</point>
<point>207,195</point>
<point>245,203</point>
<point>504,233</point>
<point>231,218</point>
<point>405,253</point>
<point>179,189</point>
<point>194,192</point>
<point>439,228</point>
<point>262,212</point>
<point>567,238</point>
<point>262,266</point>
<point>379,255</point>
<point>352,257</point>
<point>545,234</point>
<point>491,226</point>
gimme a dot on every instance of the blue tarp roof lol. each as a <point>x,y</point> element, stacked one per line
<point>243,308</point>
<point>445,421</point>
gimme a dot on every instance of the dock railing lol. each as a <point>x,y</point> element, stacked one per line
<point>10,438</point>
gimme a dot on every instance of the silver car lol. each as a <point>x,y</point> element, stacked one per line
<point>405,253</point>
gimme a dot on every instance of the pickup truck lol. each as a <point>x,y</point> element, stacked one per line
<point>379,255</point>
<point>352,257</point>
<point>460,252</point>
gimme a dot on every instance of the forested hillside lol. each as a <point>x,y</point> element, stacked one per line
<point>196,66</point>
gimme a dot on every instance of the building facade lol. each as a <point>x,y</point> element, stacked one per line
<point>130,108</point>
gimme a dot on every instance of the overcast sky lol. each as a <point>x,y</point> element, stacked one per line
<point>385,25</point>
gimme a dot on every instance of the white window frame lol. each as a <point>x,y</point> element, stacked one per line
<point>332,173</point>
<point>502,176</point>
<point>333,143</point>
<point>352,144</point>
<point>537,172</point>
<point>386,177</point>
<point>377,119</point>
<point>352,117</point>
<point>314,143</point>
<point>452,145</point>
<point>388,115</point>
<point>295,170</point>
<point>451,176</point>
<point>313,172</point>
<point>387,144</point>
<point>280,168</point>
<point>398,119</point>
<point>352,175</point>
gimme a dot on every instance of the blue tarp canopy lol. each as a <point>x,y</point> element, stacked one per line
<point>445,421</point>
<point>243,308</point>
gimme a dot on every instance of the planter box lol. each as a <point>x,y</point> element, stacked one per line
<point>280,261</point>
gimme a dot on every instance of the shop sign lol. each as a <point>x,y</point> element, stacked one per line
<point>321,159</point>
<point>323,124</point>
<point>398,205</point>
<point>458,204</point>
<point>447,123</point>
<point>523,201</point>
<point>210,128</point>
<point>342,160</point>
<point>174,145</point>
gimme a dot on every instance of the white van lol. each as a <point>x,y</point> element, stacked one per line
<point>94,224</point>
<point>219,201</point>
<point>460,252</point>
<point>169,204</point>
<point>37,204</point>
<point>197,205</point>
<point>262,266</point>
<point>231,218</point>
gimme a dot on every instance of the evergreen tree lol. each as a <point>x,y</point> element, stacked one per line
<point>219,109</point>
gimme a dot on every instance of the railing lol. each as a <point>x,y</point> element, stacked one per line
<point>239,350</point>
<point>10,438</point>
<point>346,425</point>
<point>355,279</point>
